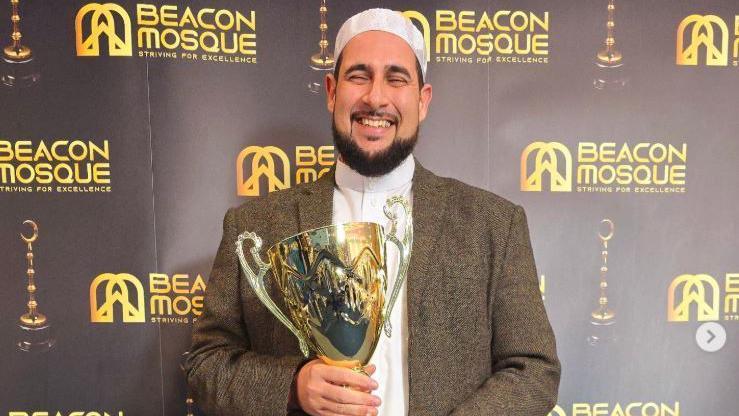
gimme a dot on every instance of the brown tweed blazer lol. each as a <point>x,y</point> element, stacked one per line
<point>479,339</point>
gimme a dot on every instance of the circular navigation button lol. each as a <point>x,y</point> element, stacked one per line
<point>710,336</point>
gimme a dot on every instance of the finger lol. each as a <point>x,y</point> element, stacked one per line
<point>370,369</point>
<point>344,395</point>
<point>346,377</point>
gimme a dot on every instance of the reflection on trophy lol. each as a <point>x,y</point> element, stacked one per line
<point>609,61</point>
<point>323,61</point>
<point>35,327</point>
<point>333,282</point>
<point>603,317</point>
<point>19,70</point>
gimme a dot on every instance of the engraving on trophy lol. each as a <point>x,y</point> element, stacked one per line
<point>35,326</point>
<point>322,61</point>
<point>333,283</point>
<point>18,68</point>
<point>609,60</point>
<point>603,318</point>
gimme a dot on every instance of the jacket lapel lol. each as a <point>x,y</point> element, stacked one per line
<point>430,198</point>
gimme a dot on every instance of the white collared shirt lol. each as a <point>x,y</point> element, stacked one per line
<point>361,198</point>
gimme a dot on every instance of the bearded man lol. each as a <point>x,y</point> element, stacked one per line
<point>470,333</point>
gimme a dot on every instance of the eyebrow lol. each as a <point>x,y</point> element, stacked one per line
<point>388,68</point>
<point>357,67</point>
<point>398,69</point>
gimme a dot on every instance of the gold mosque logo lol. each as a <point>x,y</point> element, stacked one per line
<point>467,36</point>
<point>272,164</point>
<point>264,163</point>
<point>103,23</point>
<point>687,290</point>
<point>117,291</point>
<point>549,158</point>
<point>696,33</point>
<point>557,411</point>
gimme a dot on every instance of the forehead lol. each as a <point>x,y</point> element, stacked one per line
<point>378,49</point>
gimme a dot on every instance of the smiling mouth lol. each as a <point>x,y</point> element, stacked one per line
<point>374,120</point>
<point>369,122</point>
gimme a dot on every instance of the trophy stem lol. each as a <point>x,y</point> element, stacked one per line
<point>354,365</point>
<point>323,59</point>
<point>33,317</point>
<point>34,325</point>
<point>609,60</point>
<point>16,52</point>
<point>603,317</point>
<point>609,55</point>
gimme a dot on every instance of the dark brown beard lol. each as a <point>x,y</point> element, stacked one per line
<point>375,165</point>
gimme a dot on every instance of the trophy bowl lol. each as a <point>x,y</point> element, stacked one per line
<point>333,283</point>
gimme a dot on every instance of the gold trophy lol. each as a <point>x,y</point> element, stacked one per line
<point>609,60</point>
<point>323,61</point>
<point>19,69</point>
<point>333,283</point>
<point>34,325</point>
<point>603,317</point>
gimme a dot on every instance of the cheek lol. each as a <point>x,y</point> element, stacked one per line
<point>347,97</point>
<point>408,109</point>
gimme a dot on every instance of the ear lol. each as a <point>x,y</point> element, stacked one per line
<point>330,92</point>
<point>424,101</point>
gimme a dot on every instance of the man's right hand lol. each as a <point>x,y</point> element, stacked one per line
<point>331,391</point>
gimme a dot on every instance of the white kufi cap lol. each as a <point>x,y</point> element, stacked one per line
<point>387,21</point>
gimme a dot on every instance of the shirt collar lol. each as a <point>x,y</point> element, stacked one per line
<point>395,179</point>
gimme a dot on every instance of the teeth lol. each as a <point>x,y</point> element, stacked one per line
<point>374,123</point>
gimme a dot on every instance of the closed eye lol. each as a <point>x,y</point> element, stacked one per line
<point>396,81</point>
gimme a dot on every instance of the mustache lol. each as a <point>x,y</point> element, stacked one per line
<point>359,114</point>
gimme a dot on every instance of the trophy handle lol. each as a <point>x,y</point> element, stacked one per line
<point>256,281</point>
<point>404,250</point>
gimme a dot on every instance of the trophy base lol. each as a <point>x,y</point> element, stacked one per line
<point>609,77</point>
<point>20,74</point>
<point>36,339</point>
<point>601,333</point>
<point>321,62</point>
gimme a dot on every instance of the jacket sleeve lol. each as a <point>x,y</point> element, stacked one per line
<point>224,375</point>
<point>525,369</point>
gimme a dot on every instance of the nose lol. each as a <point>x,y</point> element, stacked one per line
<point>376,96</point>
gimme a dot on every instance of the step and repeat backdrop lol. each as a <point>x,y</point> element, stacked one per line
<point>128,128</point>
